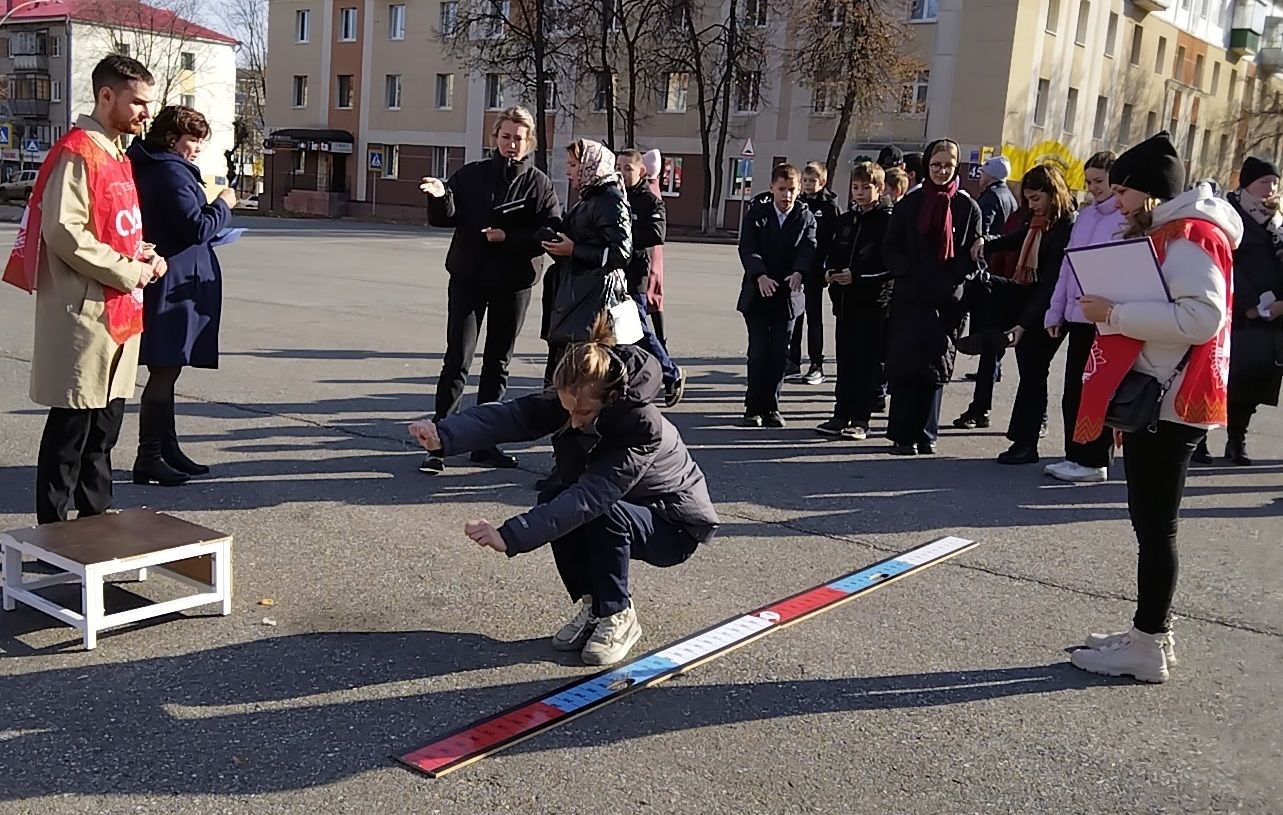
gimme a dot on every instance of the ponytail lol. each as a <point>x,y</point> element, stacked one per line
<point>589,368</point>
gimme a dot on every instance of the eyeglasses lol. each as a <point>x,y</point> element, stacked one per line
<point>940,168</point>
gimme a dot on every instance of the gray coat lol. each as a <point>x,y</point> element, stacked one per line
<point>632,453</point>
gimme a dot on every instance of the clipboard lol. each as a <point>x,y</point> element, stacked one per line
<point>1124,271</point>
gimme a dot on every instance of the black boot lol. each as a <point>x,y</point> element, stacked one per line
<point>150,467</point>
<point>172,453</point>
<point>494,457</point>
<point>1236,452</point>
<point>1201,454</point>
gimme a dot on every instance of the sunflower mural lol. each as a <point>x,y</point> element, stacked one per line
<point>1047,152</point>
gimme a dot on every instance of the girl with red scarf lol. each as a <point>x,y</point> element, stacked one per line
<point>1184,342</point>
<point>926,249</point>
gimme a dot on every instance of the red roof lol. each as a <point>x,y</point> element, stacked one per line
<point>120,14</point>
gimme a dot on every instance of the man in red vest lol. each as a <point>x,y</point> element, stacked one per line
<point>81,249</point>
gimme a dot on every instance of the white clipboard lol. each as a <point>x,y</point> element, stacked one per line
<point>1121,271</point>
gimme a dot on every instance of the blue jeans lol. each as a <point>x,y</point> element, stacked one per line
<point>651,344</point>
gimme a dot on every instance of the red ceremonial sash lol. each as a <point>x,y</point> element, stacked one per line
<point>115,220</point>
<point>1201,398</point>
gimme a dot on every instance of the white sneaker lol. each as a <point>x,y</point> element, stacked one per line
<point>613,638</point>
<point>1104,640</point>
<point>1077,473</point>
<point>575,633</point>
<point>1135,654</point>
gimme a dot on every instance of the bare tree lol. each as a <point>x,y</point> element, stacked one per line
<point>849,52</point>
<point>533,44</point>
<point>246,20</point>
<point>719,57</point>
<point>623,47</point>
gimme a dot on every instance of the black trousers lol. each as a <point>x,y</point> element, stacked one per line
<point>468,306</point>
<point>1094,453</point>
<point>768,347</point>
<point>810,322</point>
<point>1156,464</point>
<point>914,417</point>
<point>988,305</point>
<point>1240,416</point>
<point>858,344</point>
<point>594,558</point>
<point>75,459</point>
<point>1034,355</point>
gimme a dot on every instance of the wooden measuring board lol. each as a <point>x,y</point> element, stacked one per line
<point>476,741</point>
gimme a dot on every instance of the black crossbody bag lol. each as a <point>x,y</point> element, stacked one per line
<point>1138,402</point>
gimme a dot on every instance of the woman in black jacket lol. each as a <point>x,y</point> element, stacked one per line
<point>631,490</point>
<point>1256,344</point>
<point>496,207</point>
<point>591,250</point>
<point>1042,244</point>
<point>926,249</point>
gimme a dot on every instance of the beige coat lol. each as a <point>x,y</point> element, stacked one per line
<point>76,363</point>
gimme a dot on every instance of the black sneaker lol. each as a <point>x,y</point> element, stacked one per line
<point>675,390</point>
<point>1019,454</point>
<point>774,419</point>
<point>971,421</point>
<point>833,427</point>
<point>926,448</point>
<point>903,450</point>
<point>751,420</point>
<point>432,464</point>
<point>880,404</point>
<point>1201,454</point>
<point>494,457</point>
<point>815,376</point>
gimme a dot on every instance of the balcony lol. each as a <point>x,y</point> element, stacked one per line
<point>1153,5</point>
<point>29,108</point>
<point>1269,57</point>
<point>1247,27</point>
<point>31,63</point>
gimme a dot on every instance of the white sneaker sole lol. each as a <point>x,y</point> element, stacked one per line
<point>1140,676</point>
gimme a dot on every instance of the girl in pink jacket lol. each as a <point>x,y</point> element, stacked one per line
<point>1100,222</point>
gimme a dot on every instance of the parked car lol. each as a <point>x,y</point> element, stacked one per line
<point>19,187</point>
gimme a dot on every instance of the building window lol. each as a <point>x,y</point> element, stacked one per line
<point>303,25</point>
<point>678,16</point>
<point>1190,138</point>
<point>1216,77</point>
<point>603,90</point>
<point>494,92</point>
<point>1151,124</point>
<point>392,91</point>
<point>1111,34</point>
<point>492,22</point>
<point>55,90</point>
<point>1084,16</point>
<point>1071,110</point>
<point>438,162</point>
<point>1206,153</point>
<point>1125,124</point>
<point>449,18</point>
<point>1138,34</point>
<point>299,159</point>
<point>925,10</point>
<point>673,99</point>
<point>755,13</point>
<point>748,90</point>
<point>1098,127</point>
<point>1178,67</point>
<point>1040,104</point>
<point>1233,87</point>
<point>1159,63</point>
<point>121,48</point>
<point>187,100</point>
<point>550,93</point>
<point>445,91</point>
<point>1225,150</point>
<point>300,91</point>
<point>347,25</point>
<point>396,21</point>
<point>670,176</point>
<point>391,161</point>
<point>1199,64</point>
<point>741,185</point>
<point>1053,16</point>
<point>343,98</point>
<point>55,46</point>
<point>57,132</point>
<point>187,60</point>
<point>823,98</point>
<point>913,95</point>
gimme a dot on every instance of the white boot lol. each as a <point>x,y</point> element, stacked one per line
<point>1103,640</point>
<point>1135,654</point>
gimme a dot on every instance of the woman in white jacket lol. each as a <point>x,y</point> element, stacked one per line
<point>1183,343</point>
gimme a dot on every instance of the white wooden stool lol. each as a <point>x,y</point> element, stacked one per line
<point>90,550</point>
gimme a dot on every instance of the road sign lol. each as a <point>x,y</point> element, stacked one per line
<point>747,152</point>
<point>4,134</point>
<point>31,146</point>
<point>376,158</point>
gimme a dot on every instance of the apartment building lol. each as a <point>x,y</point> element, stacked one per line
<point>364,98</point>
<point>52,47</point>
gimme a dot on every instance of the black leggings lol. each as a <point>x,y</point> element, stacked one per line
<point>160,384</point>
<point>1156,464</point>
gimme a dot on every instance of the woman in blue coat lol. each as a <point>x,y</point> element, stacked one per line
<point>181,313</point>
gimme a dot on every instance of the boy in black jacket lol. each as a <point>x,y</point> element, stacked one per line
<point>822,202</point>
<point>777,249</point>
<point>650,223</point>
<point>860,285</point>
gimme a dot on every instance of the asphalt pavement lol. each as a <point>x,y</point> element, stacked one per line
<point>947,692</point>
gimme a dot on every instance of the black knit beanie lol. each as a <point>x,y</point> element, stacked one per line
<point>1255,168</point>
<point>1153,166</point>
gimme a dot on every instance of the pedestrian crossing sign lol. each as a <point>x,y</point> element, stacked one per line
<point>376,159</point>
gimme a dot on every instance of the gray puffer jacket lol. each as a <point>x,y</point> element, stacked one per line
<point>631,453</point>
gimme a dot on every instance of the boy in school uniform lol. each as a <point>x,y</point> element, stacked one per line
<point>777,249</point>
<point>859,284</point>
<point>822,202</point>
